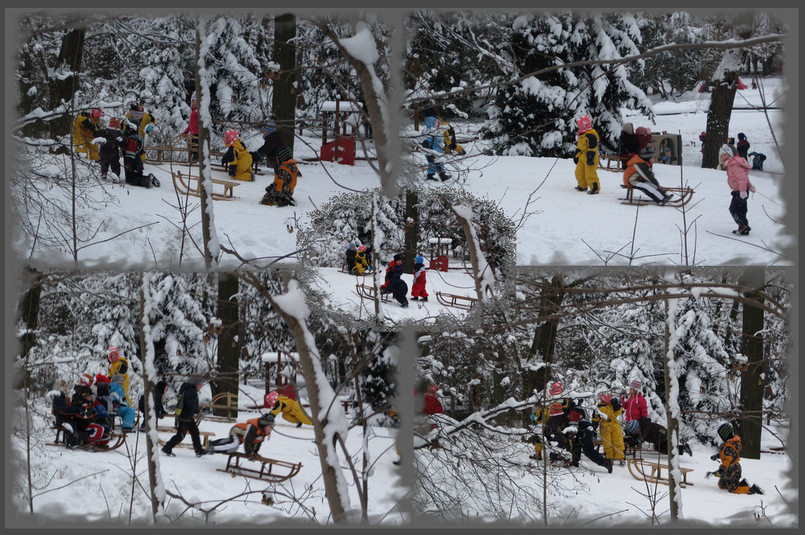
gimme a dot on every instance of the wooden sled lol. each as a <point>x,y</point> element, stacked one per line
<point>368,292</point>
<point>611,158</point>
<point>637,467</point>
<point>115,441</point>
<point>682,196</point>
<point>266,471</point>
<point>203,435</point>
<point>190,185</point>
<point>343,269</point>
<point>165,154</point>
<point>456,301</point>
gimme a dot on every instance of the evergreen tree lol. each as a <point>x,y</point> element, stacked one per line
<point>536,116</point>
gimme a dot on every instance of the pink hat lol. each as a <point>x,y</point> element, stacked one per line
<point>113,351</point>
<point>556,389</point>
<point>584,123</point>
<point>605,398</point>
<point>636,384</point>
<point>85,379</point>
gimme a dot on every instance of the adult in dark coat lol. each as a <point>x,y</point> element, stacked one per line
<point>394,283</point>
<point>185,423</point>
<point>352,250</point>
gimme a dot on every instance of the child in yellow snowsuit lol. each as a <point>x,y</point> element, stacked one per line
<point>84,128</point>
<point>291,411</point>
<point>237,157</point>
<point>607,412</point>
<point>586,158</point>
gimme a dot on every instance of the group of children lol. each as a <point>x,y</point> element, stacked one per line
<point>565,425</point>
<point>102,141</point>
<point>359,261</point>
<point>440,138</point>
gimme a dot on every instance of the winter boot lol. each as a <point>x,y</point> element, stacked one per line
<point>415,299</point>
<point>424,299</point>
<point>622,462</point>
<point>444,176</point>
<point>103,176</point>
<point>299,424</point>
<point>594,190</point>
<point>668,197</point>
<point>683,448</point>
<point>200,453</point>
<point>579,188</point>
<point>745,231</point>
<point>608,464</point>
<point>404,305</point>
<point>431,177</point>
<point>756,490</point>
<point>154,180</point>
<point>168,452</point>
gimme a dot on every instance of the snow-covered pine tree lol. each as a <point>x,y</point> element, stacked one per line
<point>180,323</point>
<point>536,116</point>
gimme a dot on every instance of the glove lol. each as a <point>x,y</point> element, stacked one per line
<point>714,457</point>
<point>708,475</point>
<point>752,189</point>
<point>233,169</point>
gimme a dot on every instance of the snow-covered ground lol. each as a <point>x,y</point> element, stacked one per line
<point>79,487</point>
<point>565,227</point>
<point>344,296</point>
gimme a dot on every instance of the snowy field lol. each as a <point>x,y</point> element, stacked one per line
<point>564,227</point>
<point>79,486</point>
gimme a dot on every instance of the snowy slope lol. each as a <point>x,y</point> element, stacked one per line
<point>63,497</point>
<point>565,227</point>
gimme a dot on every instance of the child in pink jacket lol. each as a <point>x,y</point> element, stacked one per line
<point>738,180</point>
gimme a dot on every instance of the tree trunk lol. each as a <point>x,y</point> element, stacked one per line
<point>29,316</point>
<point>148,389</point>
<point>228,351</point>
<point>411,231</point>
<point>671,418</point>
<point>204,153</point>
<point>63,89</point>
<point>545,337</point>
<point>284,94</point>
<point>750,426</point>
<point>718,119</point>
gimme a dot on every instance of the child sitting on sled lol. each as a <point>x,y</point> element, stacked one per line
<point>639,175</point>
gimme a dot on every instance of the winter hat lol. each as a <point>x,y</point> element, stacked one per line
<point>636,384</point>
<point>632,427</point>
<point>556,389</point>
<point>230,136</point>
<point>352,246</point>
<point>161,386</point>
<point>398,257</point>
<point>96,114</point>
<point>101,378</point>
<point>193,96</point>
<point>605,398</point>
<point>266,420</point>
<point>741,137</point>
<point>725,432</point>
<point>269,128</point>
<point>114,123</point>
<point>117,378</point>
<point>432,389</point>
<point>647,153</point>
<point>272,398</point>
<point>726,149</point>
<point>113,353</point>
<point>584,123</point>
<point>419,260</point>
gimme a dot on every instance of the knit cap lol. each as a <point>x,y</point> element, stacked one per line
<point>117,378</point>
<point>636,384</point>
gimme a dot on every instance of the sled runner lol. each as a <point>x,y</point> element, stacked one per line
<point>190,185</point>
<point>116,440</point>
<point>682,196</point>
<point>368,292</point>
<point>456,301</point>
<point>265,473</point>
<point>639,469</point>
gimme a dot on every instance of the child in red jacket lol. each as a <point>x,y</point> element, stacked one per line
<point>738,180</point>
<point>418,288</point>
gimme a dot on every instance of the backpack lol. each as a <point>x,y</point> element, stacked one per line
<point>179,406</point>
